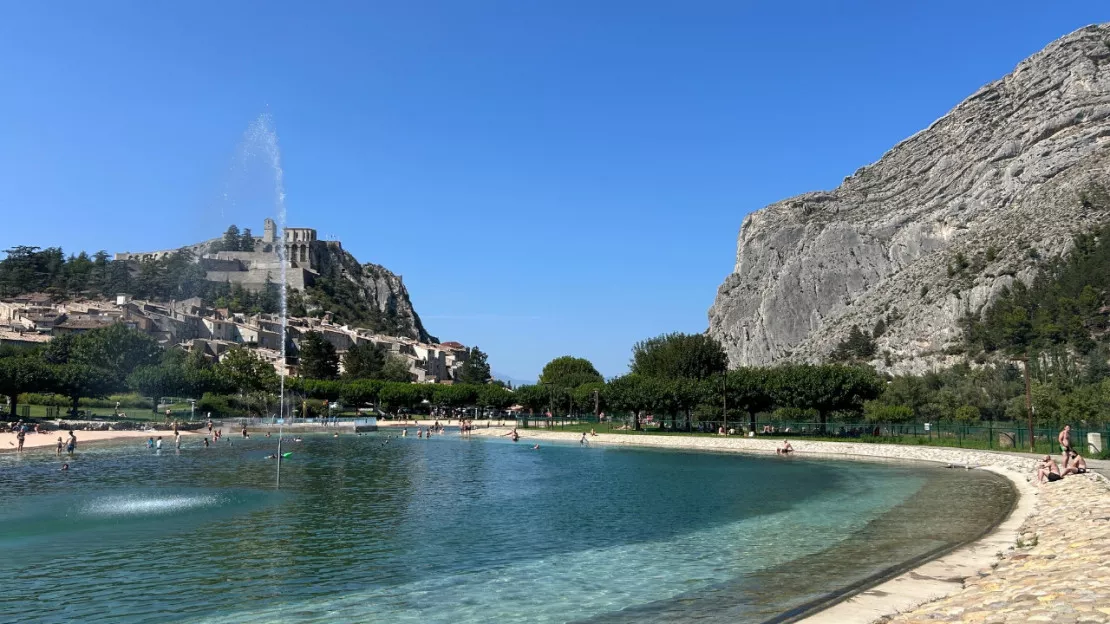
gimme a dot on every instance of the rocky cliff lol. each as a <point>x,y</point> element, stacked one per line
<point>934,229</point>
<point>379,288</point>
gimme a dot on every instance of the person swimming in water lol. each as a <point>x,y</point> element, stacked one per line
<point>536,447</point>
<point>513,435</point>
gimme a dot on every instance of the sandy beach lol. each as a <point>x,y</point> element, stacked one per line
<point>50,438</point>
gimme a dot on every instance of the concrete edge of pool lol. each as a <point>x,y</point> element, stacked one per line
<point>930,581</point>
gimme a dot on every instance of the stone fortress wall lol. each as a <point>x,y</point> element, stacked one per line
<point>304,255</point>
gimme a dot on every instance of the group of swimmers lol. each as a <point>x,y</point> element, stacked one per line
<point>426,432</point>
<point>1048,470</point>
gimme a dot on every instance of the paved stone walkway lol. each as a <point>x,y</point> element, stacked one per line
<point>1059,572</point>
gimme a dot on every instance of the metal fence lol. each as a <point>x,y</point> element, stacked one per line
<point>1000,435</point>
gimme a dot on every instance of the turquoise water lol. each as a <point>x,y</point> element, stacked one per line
<point>378,528</point>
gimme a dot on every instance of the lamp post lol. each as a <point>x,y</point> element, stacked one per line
<point>192,409</point>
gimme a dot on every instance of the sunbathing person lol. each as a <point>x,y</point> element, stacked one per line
<point>1074,465</point>
<point>1048,470</point>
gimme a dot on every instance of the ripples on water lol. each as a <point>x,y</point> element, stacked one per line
<point>388,529</point>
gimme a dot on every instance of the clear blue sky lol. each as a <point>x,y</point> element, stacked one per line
<point>550,178</point>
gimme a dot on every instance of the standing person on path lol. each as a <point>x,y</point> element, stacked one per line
<point>1065,443</point>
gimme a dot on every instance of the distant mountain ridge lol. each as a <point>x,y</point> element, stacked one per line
<point>935,229</point>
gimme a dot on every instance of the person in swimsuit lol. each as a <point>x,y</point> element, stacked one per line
<point>513,435</point>
<point>1074,465</point>
<point>1048,470</point>
<point>584,440</point>
<point>785,449</point>
<point>20,437</point>
<point>1065,443</point>
<point>72,444</point>
<point>60,445</point>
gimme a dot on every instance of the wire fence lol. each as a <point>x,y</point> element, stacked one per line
<point>988,435</point>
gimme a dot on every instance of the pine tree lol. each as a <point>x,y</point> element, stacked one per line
<point>230,241</point>
<point>318,359</point>
<point>246,241</point>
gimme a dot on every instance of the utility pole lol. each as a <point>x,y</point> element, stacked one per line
<point>1028,398</point>
<point>724,393</point>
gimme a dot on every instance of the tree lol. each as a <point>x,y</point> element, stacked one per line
<point>364,361</point>
<point>246,241</point>
<point>246,372</point>
<point>679,356</point>
<point>78,381</point>
<point>747,390</point>
<point>318,358</point>
<point>535,398</point>
<point>876,411</point>
<point>494,396</point>
<point>967,414</point>
<point>230,240</point>
<point>825,388</point>
<point>394,396</point>
<point>360,392</point>
<point>168,378</point>
<point>115,349</point>
<point>634,394</point>
<point>23,373</point>
<point>396,369</point>
<point>475,370</point>
<point>570,372</point>
<point>858,346</point>
<point>591,397</point>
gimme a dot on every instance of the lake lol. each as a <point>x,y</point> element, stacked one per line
<point>379,528</point>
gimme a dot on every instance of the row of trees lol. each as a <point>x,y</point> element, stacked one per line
<point>117,359</point>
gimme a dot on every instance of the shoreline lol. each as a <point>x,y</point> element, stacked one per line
<point>928,583</point>
<point>49,440</point>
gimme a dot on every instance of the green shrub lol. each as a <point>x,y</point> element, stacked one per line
<point>220,405</point>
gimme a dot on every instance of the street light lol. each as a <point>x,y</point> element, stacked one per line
<point>192,409</point>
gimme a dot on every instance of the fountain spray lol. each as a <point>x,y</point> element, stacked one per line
<point>262,133</point>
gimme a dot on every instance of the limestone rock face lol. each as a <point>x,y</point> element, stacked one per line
<point>936,228</point>
<point>379,287</point>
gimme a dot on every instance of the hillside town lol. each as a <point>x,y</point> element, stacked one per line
<point>190,325</point>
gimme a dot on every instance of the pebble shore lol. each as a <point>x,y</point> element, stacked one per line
<point>1049,562</point>
<point>1058,571</point>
